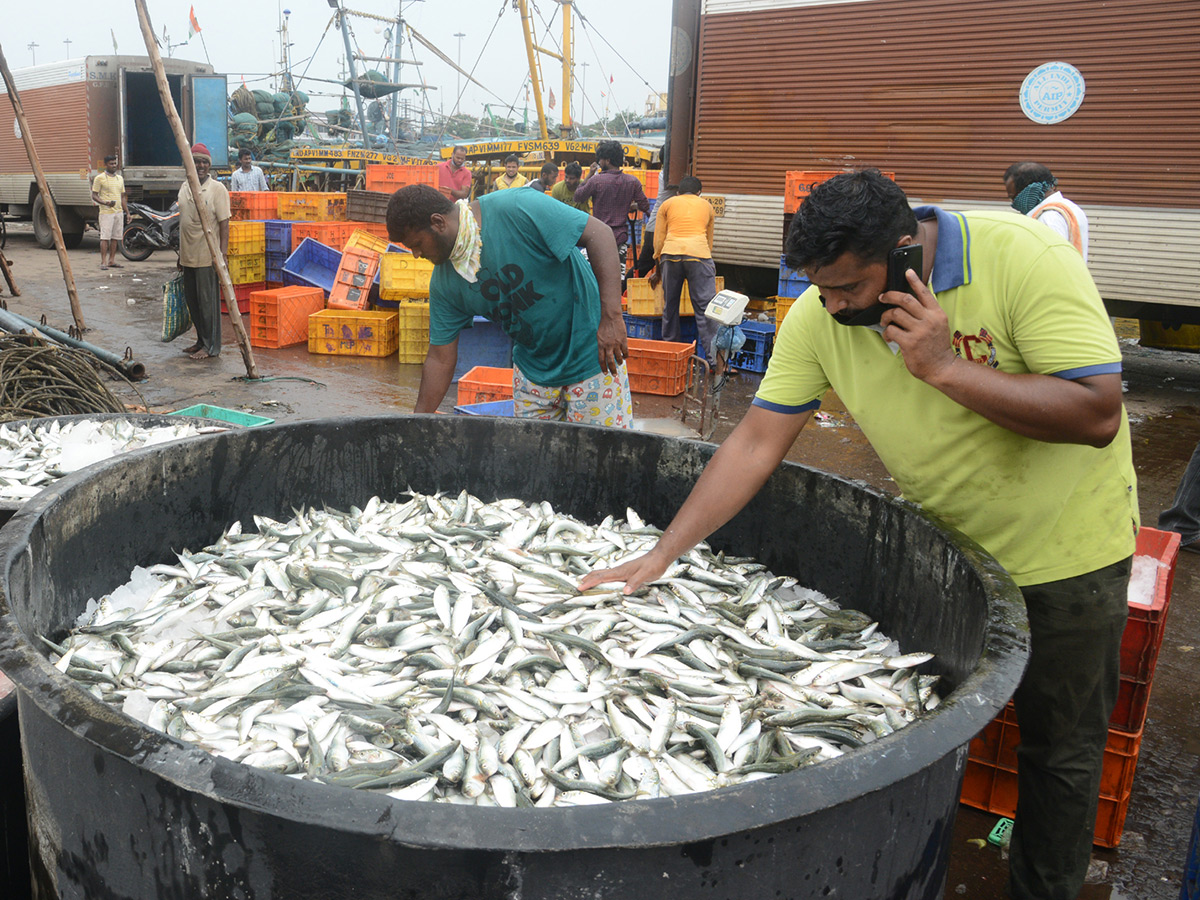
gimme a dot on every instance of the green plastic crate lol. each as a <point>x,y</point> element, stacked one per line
<point>204,411</point>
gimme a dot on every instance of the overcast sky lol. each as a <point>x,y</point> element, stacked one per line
<point>628,40</point>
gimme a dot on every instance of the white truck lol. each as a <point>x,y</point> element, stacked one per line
<point>80,111</point>
<point>946,94</point>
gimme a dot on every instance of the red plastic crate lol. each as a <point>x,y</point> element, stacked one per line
<point>279,317</point>
<point>658,367</point>
<point>387,178</point>
<point>484,384</point>
<point>1144,629</point>
<point>253,205</point>
<point>242,292</point>
<point>990,780</point>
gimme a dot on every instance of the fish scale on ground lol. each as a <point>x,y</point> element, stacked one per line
<point>434,649</point>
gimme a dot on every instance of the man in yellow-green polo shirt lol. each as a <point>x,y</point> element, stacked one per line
<point>992,393</point>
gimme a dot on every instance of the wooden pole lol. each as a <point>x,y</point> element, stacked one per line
<point>51,209</point>
<point>12,285</point>
<point>193,180</point>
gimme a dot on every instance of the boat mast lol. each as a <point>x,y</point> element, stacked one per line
<point>362,117</point>
<point>393,127</point>
<point>567,126</point>
<point>527,27</point>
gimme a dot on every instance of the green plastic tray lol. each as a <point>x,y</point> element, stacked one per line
<point>204,411</point>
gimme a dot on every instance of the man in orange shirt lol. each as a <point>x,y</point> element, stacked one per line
<point>683,240</point>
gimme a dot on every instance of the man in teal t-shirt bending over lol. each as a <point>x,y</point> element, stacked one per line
<point>514,257</point>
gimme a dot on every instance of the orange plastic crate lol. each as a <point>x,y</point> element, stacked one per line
<point>331,234</point>
<point>484,384</point>
<point>388,178</point>
<point>279,317</point>
<point>250,205</point>
<point>990,780</point>
<point>311,206</point>
<point>353,281</point>
<point>798,185</point>
<point>658,367</point>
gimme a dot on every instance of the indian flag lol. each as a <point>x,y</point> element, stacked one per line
<point>193,25</point>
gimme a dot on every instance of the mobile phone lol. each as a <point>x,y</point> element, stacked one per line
<point>901,259</point>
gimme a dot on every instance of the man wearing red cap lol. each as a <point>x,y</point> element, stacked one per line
<point>201,286</point>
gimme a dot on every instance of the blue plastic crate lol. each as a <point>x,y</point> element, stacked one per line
<point>644,328</point>
<point>483,344</point>
<point>314,264</point>
<point>792,282</point>
<point>492,408</point>
<point>1191,870</point>
<point>279,236</point>
<point>757,350</point>
<point>275,262</point>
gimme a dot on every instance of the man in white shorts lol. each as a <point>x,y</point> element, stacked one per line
<point>108,192</point>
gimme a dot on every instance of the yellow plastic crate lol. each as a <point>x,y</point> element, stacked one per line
<point>246,238</point>
<point>414,330</point>
<point>361,239</point>
<point>249,268</point>
<point>347,332</point>
<point>312,207</point>
<point>404,277</point>
<point>644,301</point>
<point>413,348</point>
<point>782,305</point>
<point>761,306</point>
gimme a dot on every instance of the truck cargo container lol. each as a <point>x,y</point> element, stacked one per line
<point>80,111</point>
<point>931,90</point>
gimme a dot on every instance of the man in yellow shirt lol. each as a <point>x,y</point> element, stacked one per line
<point>108,192</point>
<point>683,240</point>
<point>512,177</point>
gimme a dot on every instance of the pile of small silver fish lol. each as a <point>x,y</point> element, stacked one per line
<point>32,457</point>
<point>438,649</point>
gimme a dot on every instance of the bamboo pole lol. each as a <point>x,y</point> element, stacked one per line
<point>47,200</point>
<point>8,276</point>
<point>193,180</point>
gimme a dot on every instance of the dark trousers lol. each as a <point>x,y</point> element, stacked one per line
<point>1184,514</point>
<point>202,290</point>
<point>701,278</point>
<point>1063,705</point>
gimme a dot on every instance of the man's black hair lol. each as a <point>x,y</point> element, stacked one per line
<point>610,150</point>
<point>864,213</point>
<point>689,184</point>
<point>412,207</point>
<point>1023,174</point>
<point>112,157</point>
<point>549,168</point>
<point>573,168</point>
<point>513,158</point>
<point>245,151</point>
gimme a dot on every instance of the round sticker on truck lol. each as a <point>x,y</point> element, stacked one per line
<point>1052,92</point>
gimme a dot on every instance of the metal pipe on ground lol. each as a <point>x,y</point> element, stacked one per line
<point>130,368</point>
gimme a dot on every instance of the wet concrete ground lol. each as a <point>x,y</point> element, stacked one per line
<point>122,308</point>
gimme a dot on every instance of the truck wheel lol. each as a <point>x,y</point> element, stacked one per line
<point>70,224</point>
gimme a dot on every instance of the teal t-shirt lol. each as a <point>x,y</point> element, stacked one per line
<point>532,281</point>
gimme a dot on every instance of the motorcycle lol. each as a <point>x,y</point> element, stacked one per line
<point>149,230</point>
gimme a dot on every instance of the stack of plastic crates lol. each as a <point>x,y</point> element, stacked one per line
<point>413,334</point>
<point>247,260</point>
<point>990,779</point>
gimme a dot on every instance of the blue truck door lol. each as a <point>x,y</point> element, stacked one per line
<point>210,116</point>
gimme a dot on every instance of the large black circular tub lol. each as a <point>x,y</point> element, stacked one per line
<point>118,810</point>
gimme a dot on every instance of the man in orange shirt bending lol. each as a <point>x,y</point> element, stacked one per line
<point>683,240</point>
